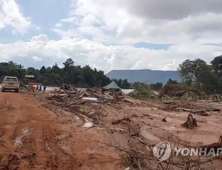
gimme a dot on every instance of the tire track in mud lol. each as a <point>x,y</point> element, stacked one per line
<point>26,140</point>
<point>66,157</point>
<point>31,137</point>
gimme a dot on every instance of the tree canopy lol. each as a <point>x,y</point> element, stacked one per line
<point>205,76</point>
<point>55,76</point>
<point>198,73</point>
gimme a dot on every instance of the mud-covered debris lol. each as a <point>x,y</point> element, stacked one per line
<point>134,115</point>
<point>190,123</point>
<point>76,102</point>
<point>62,136</point>
<point>142,91</point>
<point>182,91</point>
<point>92,99</point>
<point>91,113</point>
<point>88,125</point>
<point>125,119</point>
<point>49,148</point>
<point>11,162</point>
<point>197,112</point>
<point>164,120</point>
<point>213,148</point>
<point>30,155</point>
<point>213,110</point>
<point>26,132</point>
<point>216,97</point>
<point>168,102</point>
<point>146,115</point>
<point>67,87</point>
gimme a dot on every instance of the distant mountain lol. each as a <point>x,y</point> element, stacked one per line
<point>150,76</point>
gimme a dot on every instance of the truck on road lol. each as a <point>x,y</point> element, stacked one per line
<point>10,83</point>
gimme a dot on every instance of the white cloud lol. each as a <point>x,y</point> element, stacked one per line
<point>104,57</point>
<point>171,9</point>
<point>11,15</point>
<point>92,24</point>
<point>42,39</point>
<point>36,58</point>
<point>131,21</point>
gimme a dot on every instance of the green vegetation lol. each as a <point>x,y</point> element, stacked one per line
<point>199,79</point>
<point>55,76</point>
<point>143,92</point>
<point>197,75</point>
<point>203,76</point>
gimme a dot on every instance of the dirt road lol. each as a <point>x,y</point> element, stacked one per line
<point>32,137</point>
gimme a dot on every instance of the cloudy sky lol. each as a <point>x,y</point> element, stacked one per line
<point>110,34</point>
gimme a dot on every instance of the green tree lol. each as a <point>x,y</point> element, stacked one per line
<point>191,71</point>
<point>68,63</point>
<point>54,75</point>
<point>217,64</point>
<point>170,81</point>
<point>42,70</point>
<point>201,75</point>
<point>56,69</point>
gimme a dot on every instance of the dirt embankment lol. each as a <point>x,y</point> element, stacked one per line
<point>32,137</point>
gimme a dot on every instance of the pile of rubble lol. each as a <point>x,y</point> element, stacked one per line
<point>81,96</point>
<point>90,106</point>
<point>143,92</point>
<point>201,108</point>
<point>181,91</point>
<point>86,103</point>
<point>67,87</point>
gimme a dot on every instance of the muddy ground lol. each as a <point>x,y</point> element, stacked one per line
<point>34,137</point>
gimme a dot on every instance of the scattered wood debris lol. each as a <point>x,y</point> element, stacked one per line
<point>197,112</point>
<point>83,102</point>
<point>191,107</point>
<point>139,154</point>
<point>213,148</point>
<point>125,119</point>
<point>11,162</point>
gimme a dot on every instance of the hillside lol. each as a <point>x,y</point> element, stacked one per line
<point>151,76</point>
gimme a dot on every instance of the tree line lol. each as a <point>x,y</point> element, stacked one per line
<point>198,73</point>
<point>55,76</point>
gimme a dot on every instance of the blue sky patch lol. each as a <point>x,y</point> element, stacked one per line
<point>45,13</point>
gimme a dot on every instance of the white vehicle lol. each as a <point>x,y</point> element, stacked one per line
<point>10,83</point>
